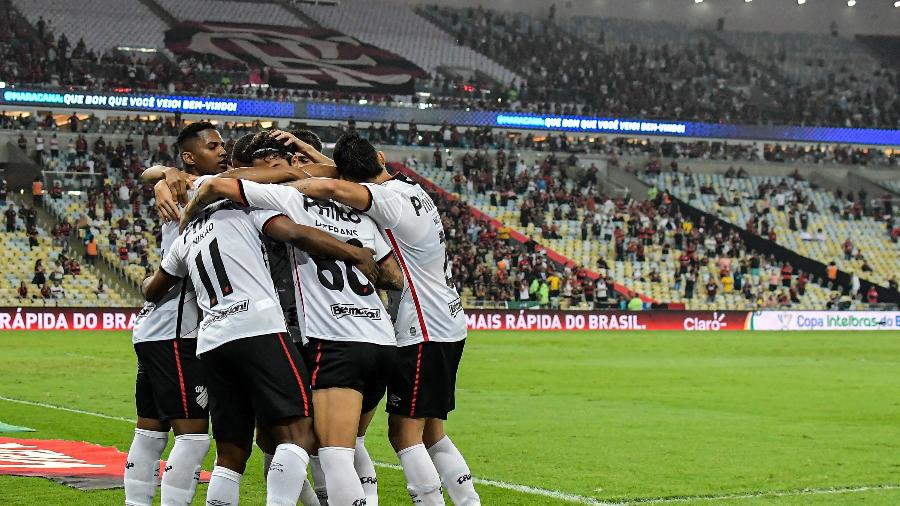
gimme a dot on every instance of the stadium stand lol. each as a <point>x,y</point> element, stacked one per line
<point>646,245</point>
<point>490,213</point>
<point>397,28</point>
<point>62,278</point>
<point>649,69</point>
<point>103,25</point>
<point>815,223</point>
<point>265,13</point>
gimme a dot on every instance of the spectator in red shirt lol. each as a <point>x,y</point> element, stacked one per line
<point>123,256</point>
<point>787,273</point>
<point>872,295</point>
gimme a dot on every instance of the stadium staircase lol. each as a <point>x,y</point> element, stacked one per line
<point>160,12</point>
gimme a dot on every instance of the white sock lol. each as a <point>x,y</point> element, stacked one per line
<point>342,481</point>
<point>267,461</point>
<point>455,473</point>
<point>318,476</point>
<point>224,487</point>
<point>422,479</point>
<point>142,466</point>
<point>366,471</point>
<point>308,495</point>
<point>182,469</point>
<point>286,475</point>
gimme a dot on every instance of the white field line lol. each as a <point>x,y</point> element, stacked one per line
<point>556,494</point>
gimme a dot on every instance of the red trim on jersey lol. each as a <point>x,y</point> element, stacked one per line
<point>415,393</point>
<point>368,203</point>
<point>318,363</point>
<point>243,201</point>
<point>269,221</point>
<point>296,374</point>
<point>184,402</point>
<point>412,288</point>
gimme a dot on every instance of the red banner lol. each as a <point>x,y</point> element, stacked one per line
<point>68,318</point>
<point>487,319</point>
<point>33,318</point>
<point>299,57</point>
<point>78,464</point>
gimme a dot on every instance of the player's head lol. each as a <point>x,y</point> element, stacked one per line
<point>267,151</point>
<point>357,159</point>
<point>202,149</point>
<point>240,157</point>
<point>310,138</point>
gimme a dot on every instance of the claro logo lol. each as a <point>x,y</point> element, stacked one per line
<point>716,323</point>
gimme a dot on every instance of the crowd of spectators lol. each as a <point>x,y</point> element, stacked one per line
<point>697,81</point>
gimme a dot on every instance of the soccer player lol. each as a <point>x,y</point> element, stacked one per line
<point>251,371</point>
<point>351,339</point>
<point>430,325</point>
<point>170,392</point>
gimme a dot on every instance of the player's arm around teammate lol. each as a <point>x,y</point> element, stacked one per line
<point>302,237</point>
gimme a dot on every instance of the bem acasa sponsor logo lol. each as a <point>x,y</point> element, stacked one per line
<point>237,307</point>
<point>341,310</point>
<point>717,322</point>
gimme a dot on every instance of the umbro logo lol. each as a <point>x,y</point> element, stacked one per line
<point>202,396</point>
<point>394,399</point>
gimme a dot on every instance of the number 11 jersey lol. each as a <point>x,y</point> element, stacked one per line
<point>337,301</point>
<point>222,253</point>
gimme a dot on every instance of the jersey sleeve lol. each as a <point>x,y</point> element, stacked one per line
<point>200,180</point>
<point>173,263</point>
<point>385,205</point>
<point>275,197</point>
<point>381,247</point>
<point>263,217</point>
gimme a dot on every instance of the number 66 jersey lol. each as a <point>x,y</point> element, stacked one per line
<point>337,301</point>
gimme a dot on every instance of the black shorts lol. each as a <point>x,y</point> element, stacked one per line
<point>424,381</point>
<point>259,379</point>
<point>170,383</point>
<point>364,367</point>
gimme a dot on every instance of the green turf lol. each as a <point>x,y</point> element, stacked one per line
<point>616,416</point>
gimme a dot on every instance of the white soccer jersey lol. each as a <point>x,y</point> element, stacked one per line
<point>222,253</point>
<point>177,314</point>
<point>338,302</point>
<point>430,308</point>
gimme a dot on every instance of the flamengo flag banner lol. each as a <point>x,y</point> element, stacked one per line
<point>311,58</point>
<point>81,465</point>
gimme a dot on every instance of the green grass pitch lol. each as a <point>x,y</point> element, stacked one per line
<point>730,418</point>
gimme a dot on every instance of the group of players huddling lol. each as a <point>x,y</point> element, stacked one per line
<point>214,340</point>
